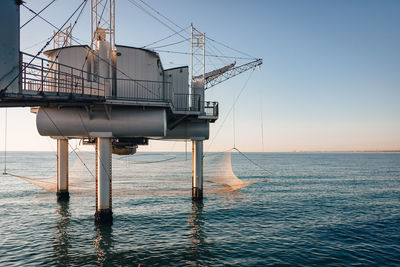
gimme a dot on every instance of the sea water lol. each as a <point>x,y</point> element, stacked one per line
<point>334,209</point>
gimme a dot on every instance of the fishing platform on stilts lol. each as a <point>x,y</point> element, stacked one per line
<point>88,92</point>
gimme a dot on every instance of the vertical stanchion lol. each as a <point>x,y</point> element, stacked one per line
<point>197,169</point>
<point>103,180</point>
<point>5,144</point>
<point>62,169</point>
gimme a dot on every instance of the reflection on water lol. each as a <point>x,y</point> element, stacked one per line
<point>196,222</point>
<point>319,209</point>
<point>61,242</point>
<point>104,243</point>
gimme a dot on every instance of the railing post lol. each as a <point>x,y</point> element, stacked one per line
<point>41,76</point>
<point>58,80</point>
<point>72,80</point>
<point>25,76</point>
<point>91,81</point>
<point>83,83</point>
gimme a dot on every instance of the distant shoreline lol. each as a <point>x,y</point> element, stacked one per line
<point>296,151</point>
<point>349,151</point>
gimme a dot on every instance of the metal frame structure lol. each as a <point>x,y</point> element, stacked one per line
<point>103,17</point>
<point>198,54</point>
<point>223,76</point>
<point>63,37</point>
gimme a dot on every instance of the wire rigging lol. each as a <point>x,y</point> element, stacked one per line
<point>220,57</point>
<point>59,131</point>
<point>252,161</point>
<point>233,123</point>
<point>262,125</point>
<point>38,43</point>
<point>5,143</point>
<point>163,23</point>
<point>227,46</point>
<point>175,43</point>
<point>229,112</point>
<point>65,40</point>
<point>37,14</point>
<point>207,55</point>
<point>165,38</point>
<point>42,49</point>
<point>75,39</point>
<point>161,14</point>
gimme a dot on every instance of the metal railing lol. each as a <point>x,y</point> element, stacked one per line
<point>211,108</point>
<point>42,76</point>
<point>45,76</point>
<point>142,90</point>
<point>186,102</point>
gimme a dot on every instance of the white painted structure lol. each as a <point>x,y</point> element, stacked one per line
<point>117,95</point>
<point>62,169</point>
<point>197,169</point>
<point>103,173</point>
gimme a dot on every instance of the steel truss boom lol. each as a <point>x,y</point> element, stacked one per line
<point>211,81</point>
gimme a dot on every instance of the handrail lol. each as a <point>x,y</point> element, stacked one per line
<point>48,77</point>
<point>59,64</point>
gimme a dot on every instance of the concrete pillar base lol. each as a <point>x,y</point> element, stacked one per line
<point>63,195</point>
<point>103,216</point>
<point>197,193</point>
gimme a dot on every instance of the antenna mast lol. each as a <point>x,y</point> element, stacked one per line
<point>103,22</point>
<point>198,54</point>
<point>198,66</point>
<point>63,38</point>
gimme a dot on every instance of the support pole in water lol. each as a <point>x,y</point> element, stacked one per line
<point>103,180</point>
<point>197,169</point>
<point>62,169</point>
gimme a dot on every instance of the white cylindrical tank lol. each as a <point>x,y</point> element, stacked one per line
<point>115,122</point>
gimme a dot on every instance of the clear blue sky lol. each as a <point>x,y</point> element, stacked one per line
<point>330,78</point>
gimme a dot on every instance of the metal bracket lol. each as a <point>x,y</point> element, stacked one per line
<point>108,108</point>
<point>89,111</point>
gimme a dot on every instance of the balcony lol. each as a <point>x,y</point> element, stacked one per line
<point>44,82</point>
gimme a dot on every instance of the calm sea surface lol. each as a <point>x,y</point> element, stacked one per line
<point>314,209</point>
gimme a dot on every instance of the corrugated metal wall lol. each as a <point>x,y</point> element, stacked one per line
<point>138,64</point>
<point>73,56</point>
<point>179,78</point>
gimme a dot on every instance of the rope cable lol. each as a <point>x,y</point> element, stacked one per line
<point>230,110</point>
<point>36,43</point>
<point>161,14</point>
<point>252,161</point>
<point>165,38</point>
<point>41,50</point>
<point>59,131</point>
<point>262,125</point>
<point>207,55</point>
<point>37,14</point>
<point>233,119</point>
<point>5,143</point>
<point>227,46</point>
<point>163,23</point>
<point>73,38</point>
<point>161,46</point>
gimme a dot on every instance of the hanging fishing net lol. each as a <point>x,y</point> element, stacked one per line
<point>145,173</point>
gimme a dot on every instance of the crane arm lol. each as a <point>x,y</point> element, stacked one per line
<point>209,76</point>
<point>227,72</point>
